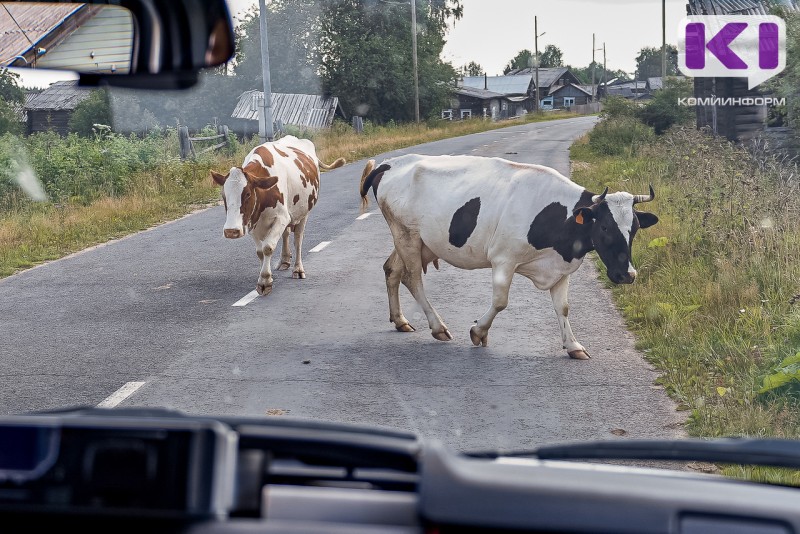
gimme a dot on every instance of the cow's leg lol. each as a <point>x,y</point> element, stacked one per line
<point>267,246</point>
<point>502,275</point>
<point>394,269</point>
<point>409,247</point>
<point>286,253</point>
<point>299,228</point>
<point>559,294</point>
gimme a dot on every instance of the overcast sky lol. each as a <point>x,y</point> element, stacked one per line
<point>493,31</point>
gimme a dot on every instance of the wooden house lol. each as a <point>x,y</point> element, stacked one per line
<point>566,96</point>
<point>736,122</point>
<point>52,109</point>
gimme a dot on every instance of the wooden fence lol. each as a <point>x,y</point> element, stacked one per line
<point>187,142</point>
<point>587,109</point>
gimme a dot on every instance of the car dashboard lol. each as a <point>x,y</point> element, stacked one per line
<point>162,471</point>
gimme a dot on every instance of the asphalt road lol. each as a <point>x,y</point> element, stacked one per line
<point>149,321</point>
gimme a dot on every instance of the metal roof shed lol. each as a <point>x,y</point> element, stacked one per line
<point>307,111</point>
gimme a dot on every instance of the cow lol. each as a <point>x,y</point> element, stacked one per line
<point>270,195</point>
<point>478,212</point>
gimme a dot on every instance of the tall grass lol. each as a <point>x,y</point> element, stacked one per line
<point>98,189</point>
<point>714,307</point>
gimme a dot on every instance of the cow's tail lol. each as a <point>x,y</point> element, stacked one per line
<point>366,182</point>
<point>335,165</point>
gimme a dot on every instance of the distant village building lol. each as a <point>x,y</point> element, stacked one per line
<point>52,109</point>
<point>514,94</point>
<point>497,97</point>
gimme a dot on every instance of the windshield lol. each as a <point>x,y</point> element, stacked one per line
<point>496,224</point>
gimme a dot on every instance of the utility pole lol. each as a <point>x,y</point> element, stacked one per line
<point>605,69</point>
<point>414,57</point>
<point>663,40</point>
<point>593,48</point>
<point>265,131</point>
<point>536,58</point>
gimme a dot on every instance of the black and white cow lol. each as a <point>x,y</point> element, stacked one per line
<point>476,212</point>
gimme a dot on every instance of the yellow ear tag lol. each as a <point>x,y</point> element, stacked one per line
<point>579,218</point>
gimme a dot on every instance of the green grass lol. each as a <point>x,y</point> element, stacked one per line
<point>713,306</point>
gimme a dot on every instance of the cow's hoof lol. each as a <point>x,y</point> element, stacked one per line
<point>579,355</point>
<point>405,328</point>
<point>300,275</point>
<point>263,289</point>
<point>284,266</point>
<point>478,340</point>
<point>443,336</point>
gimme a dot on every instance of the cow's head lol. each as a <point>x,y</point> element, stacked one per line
<point>614,222</point>
<point>241,189</point>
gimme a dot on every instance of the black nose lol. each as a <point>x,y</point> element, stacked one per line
<point>622,278</point>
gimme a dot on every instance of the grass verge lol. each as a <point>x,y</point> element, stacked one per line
<point>715,307</point>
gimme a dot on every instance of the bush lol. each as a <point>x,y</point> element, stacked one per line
<point>664,111</point>
<point>616,106</point>
<point>620,136</point>
<point>92,111</point>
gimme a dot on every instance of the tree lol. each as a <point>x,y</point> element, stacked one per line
<point>293,27</point>
<point>522,60</point>
<point>551,57</point>
<point>665,110</point>
<point>648,62</point>
<point>10,91</point>
<point>11,97</point>
<point>365,51</point>
<point>584,74</point>
<point>472,69</point>
<point>93,110</point>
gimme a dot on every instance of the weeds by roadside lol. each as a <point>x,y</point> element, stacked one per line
<point>714,305</point>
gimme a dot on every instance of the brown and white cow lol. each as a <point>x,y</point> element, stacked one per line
<point>476,213</point>
<point>270,195</point>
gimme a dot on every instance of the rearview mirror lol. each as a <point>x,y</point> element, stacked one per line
<point>133,43</point>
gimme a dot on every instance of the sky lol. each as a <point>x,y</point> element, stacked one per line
<point>493,31</point>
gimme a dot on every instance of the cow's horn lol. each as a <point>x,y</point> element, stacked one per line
<point>638,199</point>
<point>597,199</point>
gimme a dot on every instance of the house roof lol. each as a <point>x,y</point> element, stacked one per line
<point>638,84</point>
<point>547,75</point>
<point>578,87</point>
<point>505,85</point>
<point>655,83</point>
<point>60,96</point>
<point>26,24</point>
<point>311,111</point>
<point>737,7</point>
<point>478,93</point>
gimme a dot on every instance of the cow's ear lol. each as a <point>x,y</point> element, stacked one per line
<point>646,220</point>
<point>263,182</point>
<point>219,178</point>
<point>583,215</point>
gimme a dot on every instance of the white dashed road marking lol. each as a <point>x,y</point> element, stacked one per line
<point>362,217</point>
<point>320,246</point>
<point>120,395</point>
<point>247,299</point>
